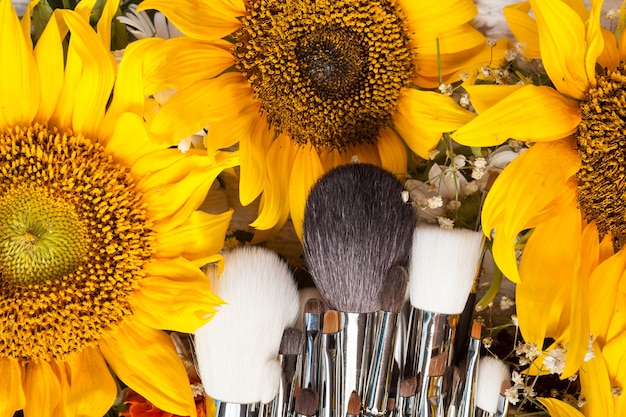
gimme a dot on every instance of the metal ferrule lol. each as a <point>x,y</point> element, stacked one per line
<point>466,405</point>
<point>503,406</point>
<point>226,409</point>
<point>330,372</point>
<point>355,351</point>
<point>311,355</point>
<point>405,406</point>
<point>379,374</point>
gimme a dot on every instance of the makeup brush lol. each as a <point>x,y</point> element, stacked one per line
<point>491,377</point>
<point>237,351</point>
<point>306,403</point>
<point>441,273</point>
<point>354,405</point>
<point>330,369</point>
<point>379,372</point>
<point>289,357</point>
<point>356,227</point>
<point>313,321</point>
<point>466,405</point>
<point>405,403</point>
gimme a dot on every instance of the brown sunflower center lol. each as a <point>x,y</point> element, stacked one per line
<point>326,72</point>
<point>602,147</point>
<point>74,237</point>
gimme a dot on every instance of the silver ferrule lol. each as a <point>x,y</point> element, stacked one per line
<point>329,377</point>
<point>311,355</point>
<point>479,412</point>
<point>466,405</point>
<point>405,406</point>
<point>284,403</point>
<point>436,341</point>
<point>379,373</point>
<point>503,406</point>
<point>226,409</point>
<point>355,351</point>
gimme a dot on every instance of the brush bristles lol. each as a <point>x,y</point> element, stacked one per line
<point>408,387</point>
<point>394,288</point>
<point>306,402</point>
<point>354,404</point>
<point>442,268</point>
<point>237,350</point>
<point>356,227</point>
<point>477,330</point>
<point>291,343</point>
<point>491,374</point>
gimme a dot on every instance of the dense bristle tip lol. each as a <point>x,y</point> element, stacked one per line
<point>408,387</point>
<point>306,402</point>
<point>438,365</point>
<point>394,289</point>
<point>354,404</point>
<point>314,306</point>
<point>490,376</point>
<point>331,322</point>
<point>356,227</point>
<point>477,330</point>
<point>442,269</point>
<point>291,342</point>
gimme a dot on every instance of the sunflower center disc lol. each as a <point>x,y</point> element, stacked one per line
<point>326,73</point>
<point>41,238</point>
<point>602,148</point>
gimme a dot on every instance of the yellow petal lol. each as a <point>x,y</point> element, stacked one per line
<point>551,251</point>
<point>433,16</point>
<point>130,125</point>
<point>524,28</point>
<point>531,113</point>
<point>19,78</point>
<point>93,89</point>
<point>253,151</point>
<point>610,56</point>
<point>594,40</point>
<point>392,151</point>
<point>202,234</point>
<point>614,354</point>
<point>563,46</point>
<point>175,295</point>
<point>92,389</point>
<point>200,19</point>
<point>423,116</point>
<point>42,388</point>
<point>525,187</point>
<point>145,359</point>
<point>274,205</point>
<point>596,386</point>
<point>485,96</point>
<point>26,22</point>
<point>309,170</point>
<point>104,24</point>
<point>49,57</point>
<point>11,389</point>
<point>558,408</point>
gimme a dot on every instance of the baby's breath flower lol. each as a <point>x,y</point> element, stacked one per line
<point>464,100</point>
<point>486,71</point>
<point>520,48</point>
<point>612,14</point>
<point>197,389</point>
<point>453,205</point>
<point>589,355</point>
<point>470,188</point>
<point>487,342</point>
<point>478,173</point>
<point>491,42</point>
<point>555,360</point>
<point>518,379</point>
<point>434,202</point>
<point>464,76</point>
<point>582,401</point>
<point>506,303</point>
<point>433,154</point>
<point>446,89</point>
<point>460,161</point>
<point>510,55</point>
<point>616,391</point>
<point>529,392</point>
<point>445,223</point>
<point>514,320</point>
<point>526,352</point>
<point>512,395</point>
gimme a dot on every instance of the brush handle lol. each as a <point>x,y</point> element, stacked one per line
<point>226,409</point>
<point>466,406</point>
<point>355,351</point>
<point>379,373</point>
<point>311,360</point>
<point>330,372</point>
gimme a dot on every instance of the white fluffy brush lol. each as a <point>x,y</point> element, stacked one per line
<point>490,376</point>
<point>442,269</point>
<point>237,351</point>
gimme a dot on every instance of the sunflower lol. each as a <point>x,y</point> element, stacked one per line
<point>305,85</point>
<point>100,240</point>
<point>568,189</point>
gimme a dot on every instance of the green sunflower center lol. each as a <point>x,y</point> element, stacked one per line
<point>74,237</point>
<point>326,72</point>
<point>602,148</point>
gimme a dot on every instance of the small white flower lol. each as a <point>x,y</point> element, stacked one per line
<point>529,392</point>
<point>506,303</point>
<point>480,163</point>
<point>555,360</point>
<point>520,48</point>
<point>510,55</point>
<point>464,100</point>
<point>446,89</point>
<point>140,25</point>
<point>435,202</point>
<point>491,42</point>
<point>612,14</point>
<point>487,341</point>
<point>433,154</point>
<point>478,173</point>
<point>589,355</point>
<point>453,205</point>
<point>197,389</point>
<point>460,161</point>
<point>526,352</point>
<point>470,188</point>
<point>486,71</point>
<point>464,76</point>
<point>518,379</point>
<point>445,223</point>
<point>512,395</point>
<point>405,196</point>
<point>514,320</point>
<point>616,391</point>
<point>582,401</point>
<point>573,378</point>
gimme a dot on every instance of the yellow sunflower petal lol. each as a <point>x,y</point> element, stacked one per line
<point>19,78</point>
<point>129,151</point>
<point>423,116</point>
<point>550,253</point>
<point>594,40</point>
<point>253,149</point>
<point>11,389</point>
<point>432,16</point>
<point>145,359</point>
<point>175,295</point>
<point>42,388</point>
<point>202,233</point>
<point>393,154</point>
<point>309,170</point>
<point>274,206</point>
<point>539,176</point>
<point>200,19</point>
<point>614,354</point>
<point>26,22</point>
<point>104,24</point>
<point>563,46</point>
<point>596,386</point>
<point>524,28</point>
<point>49,57</point>
<point>610,56</point>
<point>485,96</point>
<point>558,408</point>
<point>604,285</point>
<point>92,389</point>
<point>531,113</point>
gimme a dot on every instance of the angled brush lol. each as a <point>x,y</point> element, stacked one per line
<point>356,227</point>
<point>237,351</point>
<point>492,375</point>
<point>441,274</point>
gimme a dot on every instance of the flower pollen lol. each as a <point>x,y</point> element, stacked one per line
<point>602,176</point>
<point>74,237</point>
<point>325,72</point>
